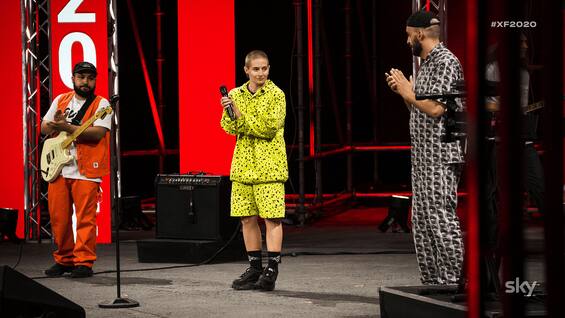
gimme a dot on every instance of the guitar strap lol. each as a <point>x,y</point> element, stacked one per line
<point>78,118</point>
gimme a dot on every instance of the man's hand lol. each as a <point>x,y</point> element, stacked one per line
<point>58,125</point>
<point>225,101</point>
<point>391,83</point>
<point>59,115</point>
<point>399,84</point>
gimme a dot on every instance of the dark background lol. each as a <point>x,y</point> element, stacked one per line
<point>270,26</point>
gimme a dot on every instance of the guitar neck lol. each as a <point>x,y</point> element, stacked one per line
<point>81,129</point>
<point>532,107</point>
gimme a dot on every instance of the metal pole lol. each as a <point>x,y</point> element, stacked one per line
<point>33,131</point>
<point>115,162</point>
<point>370,58</point>
<point>553,156</point>
<point>331,83</point>
<point>160,60</point>
<point>348,92</point>
<point>415,59</point>
<point>318,98</point>
<point>477,161</point>
<point>25,65</point>
<point>443,18</point>
<point>298,7</point>
<point>374,83</point>
<point>34,14</point>
<point>484,258</point>
<point>36,133</point>
<point>511,171</point>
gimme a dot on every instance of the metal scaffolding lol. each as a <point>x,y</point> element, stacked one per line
<point>36,94</point>
<point>321,53</point>
<point>36,91</point>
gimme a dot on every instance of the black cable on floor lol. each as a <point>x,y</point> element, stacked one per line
<point>20,252</point>
<point>289,254</point>
<point>206,261</point>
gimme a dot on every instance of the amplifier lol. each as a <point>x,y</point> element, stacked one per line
<point>190,179</point>
<point>193,207</point>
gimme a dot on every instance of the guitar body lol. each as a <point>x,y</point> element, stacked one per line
<point>54,156</point>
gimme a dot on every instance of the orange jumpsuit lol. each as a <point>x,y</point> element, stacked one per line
<point>93,163</point>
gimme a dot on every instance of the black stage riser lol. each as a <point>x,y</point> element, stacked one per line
<point>435,301</point>
<point>402,303</point>
<point>188,251</point>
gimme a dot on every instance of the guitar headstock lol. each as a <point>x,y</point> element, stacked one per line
<point>105,111</point>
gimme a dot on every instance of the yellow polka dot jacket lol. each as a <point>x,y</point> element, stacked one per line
<point>260,150</point>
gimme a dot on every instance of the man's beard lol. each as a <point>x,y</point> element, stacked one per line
<point>416,48</point>
<point>82,93</point>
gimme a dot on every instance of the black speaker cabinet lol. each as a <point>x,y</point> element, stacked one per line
<point>21,296</point>
<point>8,222</point>
<point>193,207</point>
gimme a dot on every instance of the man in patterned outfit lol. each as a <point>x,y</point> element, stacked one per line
<point>259,168</point>
<point>436,163</point>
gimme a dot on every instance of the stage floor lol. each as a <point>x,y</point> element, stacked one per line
<point>343,283</point>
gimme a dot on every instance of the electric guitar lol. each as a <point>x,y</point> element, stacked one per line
<point>56,153</point>
<point>532,107</point>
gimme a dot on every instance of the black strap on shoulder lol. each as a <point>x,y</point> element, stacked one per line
<point>78,118</point>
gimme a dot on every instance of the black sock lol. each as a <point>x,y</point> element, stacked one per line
<point>274,260</point>
<point>255,259</point>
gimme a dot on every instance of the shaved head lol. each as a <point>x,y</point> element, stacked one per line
<point>433,32</point>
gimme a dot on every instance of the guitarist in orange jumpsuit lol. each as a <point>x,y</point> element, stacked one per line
<point>76,189</point>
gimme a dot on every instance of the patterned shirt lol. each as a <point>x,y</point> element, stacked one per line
<point>437,73</point>
<point>260,150</point>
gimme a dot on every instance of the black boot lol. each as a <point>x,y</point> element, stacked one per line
<point>58,270</point>
<point>266,281</point>
<point>247,280</point>
<point>81,271</point>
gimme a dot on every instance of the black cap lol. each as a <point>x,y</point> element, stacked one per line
<point>422,19</point>
<point>84,67</point>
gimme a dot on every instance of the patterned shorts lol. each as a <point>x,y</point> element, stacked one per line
<point>264,199</point>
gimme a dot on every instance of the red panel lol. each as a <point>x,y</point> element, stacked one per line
<point>311,77</point>
<point>472,78</point>
<point>455,42</point>
<point>12,185</point>
<point>78,35</point>
<point>206,60</point>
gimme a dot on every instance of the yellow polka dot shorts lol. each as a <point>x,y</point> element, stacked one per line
<point>263,199</point>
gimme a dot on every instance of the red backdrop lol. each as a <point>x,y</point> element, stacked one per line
<point>81,34</point>
<point>206,42</point>
<point>12,185</point>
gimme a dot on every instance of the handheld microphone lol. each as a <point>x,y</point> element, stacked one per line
<point>229,108</point>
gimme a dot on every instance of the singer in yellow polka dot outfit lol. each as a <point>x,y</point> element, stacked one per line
<point>259,165</point>
<point>258,169</point>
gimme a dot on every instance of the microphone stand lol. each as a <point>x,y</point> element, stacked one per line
<point>116,190</point>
